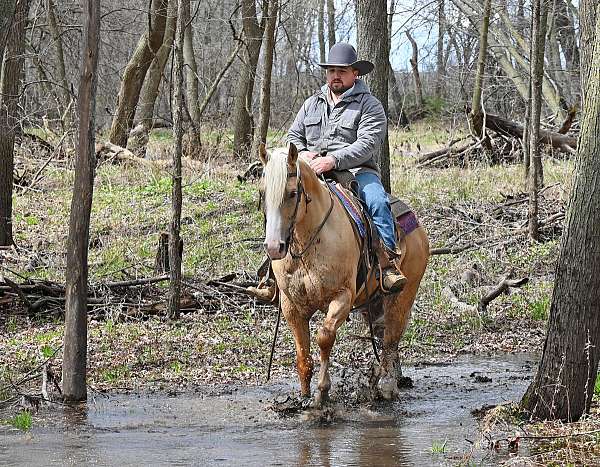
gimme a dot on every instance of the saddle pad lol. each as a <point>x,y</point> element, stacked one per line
<point>407,222</point>
<point>350,207</point>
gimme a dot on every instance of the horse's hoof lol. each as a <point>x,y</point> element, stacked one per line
<point>305,402</point>
<point>321,399</point>
<point>388,388</point>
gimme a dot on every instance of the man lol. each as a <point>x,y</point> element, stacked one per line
<point>342,127</point>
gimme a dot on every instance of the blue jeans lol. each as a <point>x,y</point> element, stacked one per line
<point>371,191</point>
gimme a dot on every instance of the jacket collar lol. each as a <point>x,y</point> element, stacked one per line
<point>352,94</point>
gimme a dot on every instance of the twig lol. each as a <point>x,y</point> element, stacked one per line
<point>505,283</point>
<point>133,282</point>
<point>14,286</point>
<point>34,180</point>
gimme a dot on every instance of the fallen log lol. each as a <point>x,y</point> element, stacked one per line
<point>508,127</point>
<point>107,150</point>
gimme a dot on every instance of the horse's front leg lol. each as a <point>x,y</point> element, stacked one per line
<point>337,313</point>
<point>300,329</point>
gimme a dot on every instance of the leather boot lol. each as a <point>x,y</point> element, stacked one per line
<point>392,279</point>
<point>265,291</point>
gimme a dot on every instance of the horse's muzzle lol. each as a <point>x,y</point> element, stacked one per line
<point>276,250</point>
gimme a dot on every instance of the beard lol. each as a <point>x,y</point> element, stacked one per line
<point>338,88</point>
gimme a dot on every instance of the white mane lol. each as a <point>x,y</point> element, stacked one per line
<point>275,177</point>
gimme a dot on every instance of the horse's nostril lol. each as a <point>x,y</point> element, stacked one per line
<point>281,247</point>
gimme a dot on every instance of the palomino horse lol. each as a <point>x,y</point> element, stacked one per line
<point>315,260</point>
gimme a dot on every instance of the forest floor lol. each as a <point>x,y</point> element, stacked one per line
<point>478,206</point>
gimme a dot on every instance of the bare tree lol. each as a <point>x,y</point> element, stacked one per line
<point>564,382</point>
<point>414,63</point>
<point>151,87</point>
<point>191,79</point>
<point>440,53</point>
<point>12,76</point>
<point>373,45</point>
<point>331,22</point>
<point>175,248</point>
<point>265,89</point>
<point>60,65</point>
<point>75,338</point>
<point>476,116</point>
<point>539,17</point>
<point>243,121</point>
<point>321,29</point>
<point>135,72</point>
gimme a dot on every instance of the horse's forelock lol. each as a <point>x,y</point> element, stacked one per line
<point>275,177</point>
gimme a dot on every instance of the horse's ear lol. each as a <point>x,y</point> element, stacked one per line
<point>262,154</point>
<point>292,154</point>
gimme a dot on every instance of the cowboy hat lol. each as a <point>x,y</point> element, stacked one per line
<point>343,54</point>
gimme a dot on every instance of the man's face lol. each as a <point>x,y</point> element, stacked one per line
<point>340,78</point>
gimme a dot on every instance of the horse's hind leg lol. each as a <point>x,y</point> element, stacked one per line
<point>337,313</point>
<point>397,312</point>
<point>300,329</point>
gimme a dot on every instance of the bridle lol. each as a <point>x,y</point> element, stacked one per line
<point>300,192</point>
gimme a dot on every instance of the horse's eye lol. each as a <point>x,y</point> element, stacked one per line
<point>293,193</point>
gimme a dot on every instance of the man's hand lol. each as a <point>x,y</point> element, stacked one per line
<point>308,155</point>
<point>322,164</point>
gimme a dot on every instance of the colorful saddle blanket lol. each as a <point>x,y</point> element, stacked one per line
<point>351,207</point>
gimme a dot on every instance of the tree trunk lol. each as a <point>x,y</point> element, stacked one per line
<point>414,63</point>
<point>194,143</point>
<point>565,32</point>
<point>561,79</point>
<point>440,58</point>
<point>539,17</point>
<point>7,10</point>
<point>395,112</point>
<point>587,25</point>
<point>476,116</point>
<point>151,88</point>
<point>12,76</point>
<point>321,29</point>
<point>265,90</point>
<point>373,45</point>
<point>243,121</point>
<point>135,72</point>
<point>331,22</point>
<point>176,196</point>
<point>60,66</point>
<point>564,383</point>
<point>75,338</point>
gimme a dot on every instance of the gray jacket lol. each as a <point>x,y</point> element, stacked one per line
<point>351,132</point>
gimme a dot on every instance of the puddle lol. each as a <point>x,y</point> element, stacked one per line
<point>234,426</point>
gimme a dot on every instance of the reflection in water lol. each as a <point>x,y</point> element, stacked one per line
<point>352,445</point>
<point>75,449</point>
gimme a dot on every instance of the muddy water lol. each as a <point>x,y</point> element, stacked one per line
<point>233,426</point>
